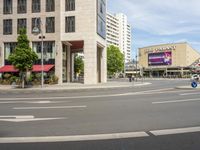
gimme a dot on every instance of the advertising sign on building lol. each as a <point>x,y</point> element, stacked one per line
<point>160,59</point>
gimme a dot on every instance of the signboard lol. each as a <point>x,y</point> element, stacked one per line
<point>160,59</point>
<point>161,49</point>
<point>101,18</point>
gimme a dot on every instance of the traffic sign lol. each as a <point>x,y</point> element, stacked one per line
<point>194,84</point>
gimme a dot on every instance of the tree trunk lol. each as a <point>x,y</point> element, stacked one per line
<point>22,78</point>
<point>23,81</point>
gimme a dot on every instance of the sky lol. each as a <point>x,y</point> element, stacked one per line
<point>160,21</point>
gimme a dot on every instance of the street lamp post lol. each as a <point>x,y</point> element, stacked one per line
<point>136,68</point>
<point>124,65</point>
<point>37,30</point>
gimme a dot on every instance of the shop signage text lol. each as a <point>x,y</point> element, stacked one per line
<point>161,49</point>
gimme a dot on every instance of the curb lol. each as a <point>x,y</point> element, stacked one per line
<point>187,88</point>
<point>75,88</point>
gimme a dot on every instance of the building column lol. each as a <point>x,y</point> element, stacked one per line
<point>182,72</point>
<point>59,62</point>
<point>68,63</point>
<point>1,54</point>
<point>90,62</point>
<point>72,67</point>
<point>104,65</point>
<point>166,72</point>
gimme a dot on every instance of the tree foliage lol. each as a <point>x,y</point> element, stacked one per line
<point>23,57</point>
<point>115,60</point>
<point>78,64</point>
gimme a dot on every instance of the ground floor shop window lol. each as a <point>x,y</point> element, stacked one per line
<point>48,51</point>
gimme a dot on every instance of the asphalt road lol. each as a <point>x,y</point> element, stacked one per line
<point>155,116</point>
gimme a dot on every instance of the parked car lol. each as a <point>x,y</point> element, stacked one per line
<point>195,77</point>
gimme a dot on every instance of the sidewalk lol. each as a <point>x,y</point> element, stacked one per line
<point>78,86</point>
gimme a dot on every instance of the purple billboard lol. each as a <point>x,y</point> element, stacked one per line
<point>160,59</point>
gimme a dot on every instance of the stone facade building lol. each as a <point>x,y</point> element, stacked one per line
<point>68,26</point>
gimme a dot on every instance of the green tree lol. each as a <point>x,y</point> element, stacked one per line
<point>23,57</point>
<point>78,65</point>
<point>115,60</point>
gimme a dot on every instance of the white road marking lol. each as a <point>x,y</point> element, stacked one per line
<point>94,96</point>
<point>18,117</point>
<point>24,118</point>
<point>177,101</point>
<point>32,102</point>
<point>175,131</point>
<point>53,107</point>
<point>97,136</point>
<point>73,138</point>
<point>185,94</point>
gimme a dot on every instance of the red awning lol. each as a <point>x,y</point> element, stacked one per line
<point>36,68</point>
<point>8,68</point>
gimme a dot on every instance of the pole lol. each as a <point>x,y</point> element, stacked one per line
<point>124,66</point>
<point>42,60</point>
<point>136,68</point>
<point>37,31</point>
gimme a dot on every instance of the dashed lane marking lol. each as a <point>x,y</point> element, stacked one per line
<point>53,107</point>
<point>185,94</point>
<point>177,101</point>
<point>32,102</point>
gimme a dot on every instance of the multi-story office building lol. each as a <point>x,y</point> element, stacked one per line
<point>119,33</point>
<point>69,26</point>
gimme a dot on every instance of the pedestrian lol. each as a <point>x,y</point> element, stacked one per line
<point>130,78</point>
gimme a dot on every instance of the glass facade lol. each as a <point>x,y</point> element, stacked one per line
<point>101,18</point>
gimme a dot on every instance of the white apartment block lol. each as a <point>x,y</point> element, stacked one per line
<point>119,33</point>
<point>69,26</point>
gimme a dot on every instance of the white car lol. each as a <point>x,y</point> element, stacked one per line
<point>195,77</point>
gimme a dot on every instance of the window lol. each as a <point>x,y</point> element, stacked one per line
<point>7,26</point>
<point>21,7</point>
<point>35,23</point>
<point>35,6</point>
<point>7,6</point>
<point>69,5</point>
<point>50,25</point>
<point>70,24</point>
<point>48,51</point>
<point>21,23</point>
<point>48,46</point>
<point>9,48</point>
<point>50,5</point>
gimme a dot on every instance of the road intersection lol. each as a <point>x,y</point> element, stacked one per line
<point>154,110</point>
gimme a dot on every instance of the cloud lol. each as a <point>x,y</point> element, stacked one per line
<point>160,17</point>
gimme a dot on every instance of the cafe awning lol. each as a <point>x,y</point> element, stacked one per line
<point>36,68</point>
